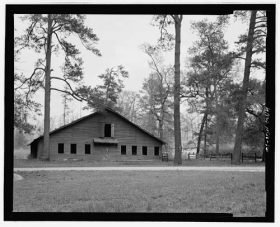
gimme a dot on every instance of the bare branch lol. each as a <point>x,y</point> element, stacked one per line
<point>240,57</point>
<point>59,41</point>
<point>258,36</point>
<point>261,21</point>
<point>29,78</point>
<point>180,18</point>
<point>261,17</point>
<point>259,30</point>
<point>156,67</point>
<point>69,85</point>
<point>57,28</point>
<point>43,28</point>
<point>173,16</point>
<point>258,65</point>
<point>260,26</point>
<point>258,116</point>
<point>69,93</point>
<point>162,27</point>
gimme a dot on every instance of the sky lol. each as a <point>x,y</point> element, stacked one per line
<point>120,38</point>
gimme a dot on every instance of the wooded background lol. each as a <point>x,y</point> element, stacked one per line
<point>221,113</point>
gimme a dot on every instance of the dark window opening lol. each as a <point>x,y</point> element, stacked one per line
<point>61,148</point>
<point>123,150</point>
<point>156,151</point>
<point>87,148</point>
<point>107,130</point>
<point>134,150</point>
<point>144,150</point>
<point>73,148</point>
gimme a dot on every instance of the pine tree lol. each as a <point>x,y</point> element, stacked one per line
<point>166,40</point>
<point>46,34</point>
<point>255,43</point>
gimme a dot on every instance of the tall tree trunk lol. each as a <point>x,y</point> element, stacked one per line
<point>46,149</point>
<point>160,129</point>
<point>161,114</point>
<point>242,102</point>
<point>160,122</point>
<point>177,123</point>
<point>200,132</point>
<point>205,136</point>
<point>217,132</point>
<point>217,142</point>
<point>264,147</point>
<point>206,118</point>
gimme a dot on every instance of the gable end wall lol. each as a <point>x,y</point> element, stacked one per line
<point>84,131</point>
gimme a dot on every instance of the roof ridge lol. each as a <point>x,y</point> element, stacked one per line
<point>100,111</point>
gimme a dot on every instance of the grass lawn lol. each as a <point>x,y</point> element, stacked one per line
<point>20,163</point>
<point>240,193</point>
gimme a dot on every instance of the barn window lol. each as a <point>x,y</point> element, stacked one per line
<point>144,150</point>
<point>73,148</point>
<point>61,148</point>
<point>107,132</point>
<point>156,151</point>
<point>87,148</point>
<point>123,150</point>
<point>134,150</point>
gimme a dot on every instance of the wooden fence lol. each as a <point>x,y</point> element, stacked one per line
<point>250,156</point>
<point>221,156</point>
<point>244,156</point>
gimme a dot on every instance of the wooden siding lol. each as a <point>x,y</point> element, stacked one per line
<point>84,131</point>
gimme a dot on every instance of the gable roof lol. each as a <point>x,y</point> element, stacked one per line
<point>90,115</point>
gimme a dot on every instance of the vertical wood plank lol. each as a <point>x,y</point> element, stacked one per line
<point>112,130</point>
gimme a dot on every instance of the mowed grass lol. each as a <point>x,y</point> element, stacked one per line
<point>240,193</point>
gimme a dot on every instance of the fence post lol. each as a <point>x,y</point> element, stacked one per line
<point>242,157</point>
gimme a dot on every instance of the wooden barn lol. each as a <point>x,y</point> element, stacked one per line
<point>103,135</point>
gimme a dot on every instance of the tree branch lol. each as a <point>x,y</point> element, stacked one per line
<point>43,28</point>
<point>69,85</point>
<point>162,27</point>
<point>259,30</point>
<point>156,67</point>
<point>258,36</point>
<point>59,41</point>
<point>69,93</point>
<point>29,78</point>
<point>260,17</point>
<point>240,57</point>
<point>261,21</point>
<point>250,111</point>
<point>260,26</point>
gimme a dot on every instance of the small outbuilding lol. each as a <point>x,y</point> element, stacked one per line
<point>103,135</point>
